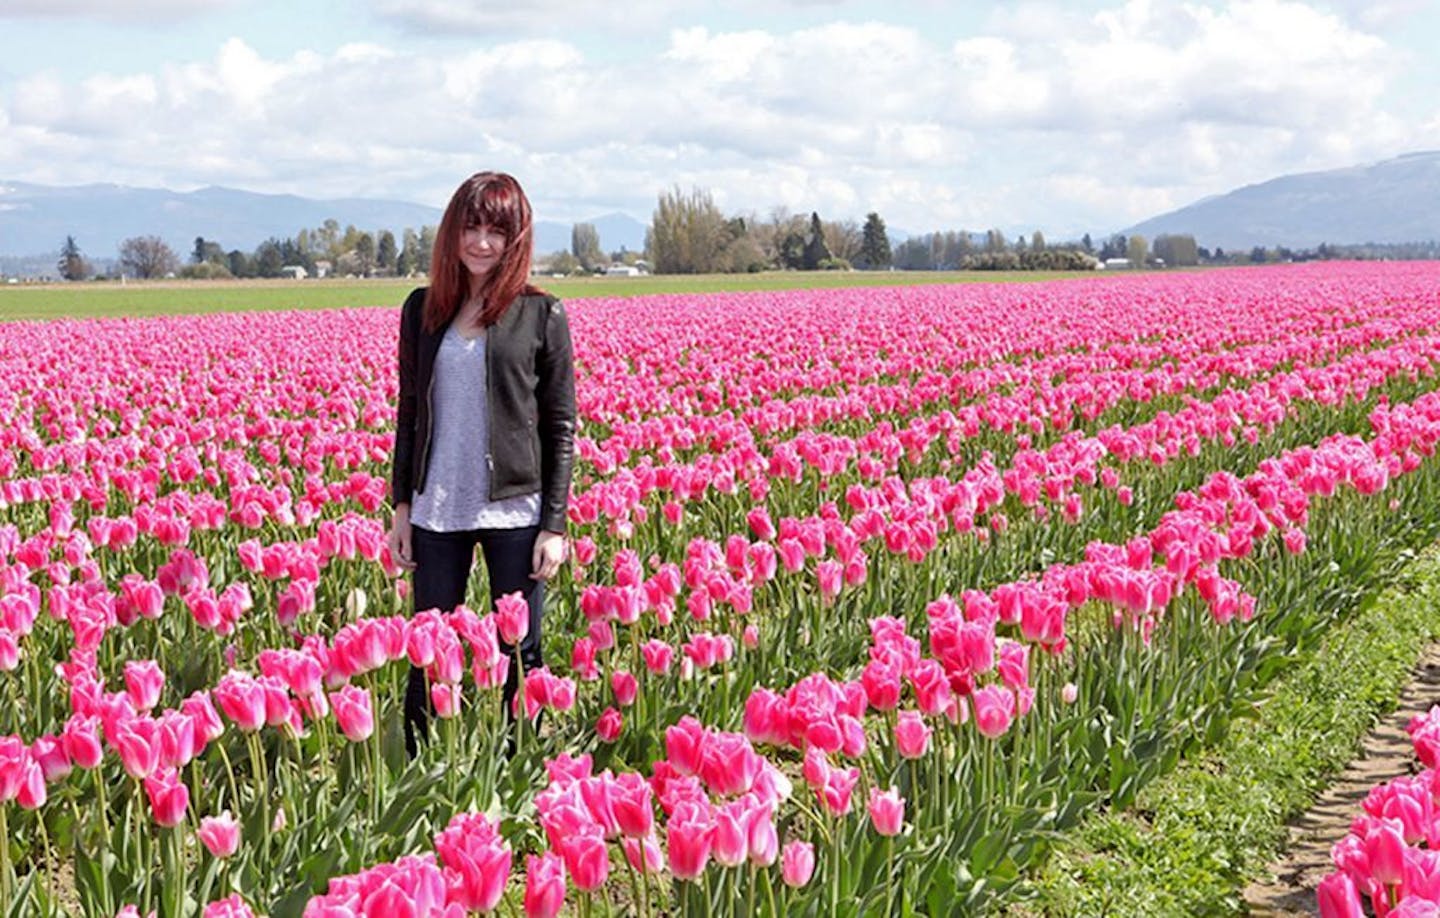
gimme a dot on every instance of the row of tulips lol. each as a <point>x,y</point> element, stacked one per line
<point>1390,858</point>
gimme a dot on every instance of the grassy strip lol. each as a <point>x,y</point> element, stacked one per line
<point>85,300</point>
<point>1196,837</point>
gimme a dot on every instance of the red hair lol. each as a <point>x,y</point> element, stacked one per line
<point>495,200</point>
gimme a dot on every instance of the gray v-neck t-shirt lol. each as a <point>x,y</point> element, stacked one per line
<point>457,485</point>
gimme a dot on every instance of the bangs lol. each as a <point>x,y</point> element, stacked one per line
<point>493,204</point>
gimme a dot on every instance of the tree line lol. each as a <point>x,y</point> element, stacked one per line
<point>690,234</point>
<point>326,249</point>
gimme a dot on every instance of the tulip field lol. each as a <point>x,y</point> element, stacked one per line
<point>872,592</point>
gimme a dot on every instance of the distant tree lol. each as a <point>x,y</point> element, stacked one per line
<point>327,239</point>
<point>875,250</point>
<point>147,257</point>
<point>1177,250</point>
<point>914,254</point>
<point>239,264</point>
<point>792,250</point>
<point>364,250</point>
<point>1037,241</point>
<point>386,257</point>
<point>268,259</point>
<point>427,246</point>
<point>1136,250</point>
<point>995,241</point>
<point>688,234</point>
<point>72,265</point>
<point>563,262</point>
<point>408,261</point>
<point>815,249</point>
<point>843,239</point>
<point>1257,255</point>
<point>206,270</point>
<point>585,246</point>
<point>207,252</point>
<point>1087,244</point>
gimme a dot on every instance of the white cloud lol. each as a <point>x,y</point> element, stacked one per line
<point>1087,120</point>
<point>130,11</point>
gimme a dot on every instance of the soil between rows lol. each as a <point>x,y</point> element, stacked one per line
<point>1386,754</point>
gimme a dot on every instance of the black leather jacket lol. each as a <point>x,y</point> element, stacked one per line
<point>530,374</point>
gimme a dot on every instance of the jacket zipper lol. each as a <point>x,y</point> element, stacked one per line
<point>429,428</point>
<point>489,421</point>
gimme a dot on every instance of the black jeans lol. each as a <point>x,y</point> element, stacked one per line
<point>442,572</point>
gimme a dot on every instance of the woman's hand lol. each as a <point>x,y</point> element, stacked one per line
<point>399,538</point>
<point>548,555</point>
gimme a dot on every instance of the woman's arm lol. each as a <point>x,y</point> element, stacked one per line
<point>402,461</point>
<point>555,397</point>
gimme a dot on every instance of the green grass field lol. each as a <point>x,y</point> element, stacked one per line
<point>83,300</point>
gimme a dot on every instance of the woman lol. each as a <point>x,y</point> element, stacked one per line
<point>485,427</point>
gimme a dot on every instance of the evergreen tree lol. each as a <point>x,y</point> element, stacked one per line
<point>816,251</point>
<point>874,249</point>
<point>72,265</point>
<point>385,255</point>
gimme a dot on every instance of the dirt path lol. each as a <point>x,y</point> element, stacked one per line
<point>1386,754</point>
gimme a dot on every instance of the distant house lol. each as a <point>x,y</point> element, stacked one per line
<point>294,272</point>
<point>1115,264</point>
<point>623,271</point>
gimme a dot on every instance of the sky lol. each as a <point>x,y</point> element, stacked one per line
<point>1067,117</point>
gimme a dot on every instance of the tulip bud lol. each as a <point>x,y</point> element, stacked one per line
<point>797,863</point>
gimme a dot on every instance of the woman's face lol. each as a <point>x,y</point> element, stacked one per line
<point>481,246</point>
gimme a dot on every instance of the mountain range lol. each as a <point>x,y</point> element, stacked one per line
<point>35,219</point>
<point>1397,200</point>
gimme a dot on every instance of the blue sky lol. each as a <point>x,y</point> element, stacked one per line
<point>1063,117</point>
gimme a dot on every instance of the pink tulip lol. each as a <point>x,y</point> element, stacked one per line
<point>169,797</point>
<point>544,885</point>
<point>632,804</point>
<point>1385,847</point>
<point>994,710</point>
<point>9,651</point>
<point>587,860</point>
<point>643,854</point>
<point>445,699</point>
<point>728,765</point>
<point>353,713</point>
<point>763,839</point>
<point>625,686</point>
<point>137,740</point>
<point>887,811</point>
<point>143,682</point>
<point>797,863</point>
<point>730,838</point>
<point>220,834</point>
<point>1338,897</point>
<point>512,618</point>
<point>690,837</point>
<point>912,735</point>
<point>49,753</point>
<point>233,906</point>
<point>657,655</point>
<point>476,861</point>
<point>243,701</point>
<point>609,726</point>
<point>82,745</point>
